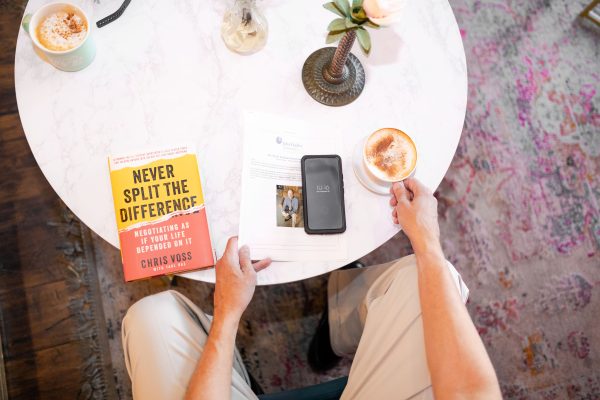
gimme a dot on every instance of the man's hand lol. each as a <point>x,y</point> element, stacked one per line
<point>458,363</point>
<point>415,210</point>
<point>236,280</point>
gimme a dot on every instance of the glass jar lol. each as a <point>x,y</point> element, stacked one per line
<point>244,29</point>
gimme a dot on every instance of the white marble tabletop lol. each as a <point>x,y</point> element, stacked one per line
<point>162,75</point>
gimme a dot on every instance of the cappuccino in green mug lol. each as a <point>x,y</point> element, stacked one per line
<point>62,34</point>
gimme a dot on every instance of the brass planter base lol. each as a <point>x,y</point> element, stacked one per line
<point>314,73</point>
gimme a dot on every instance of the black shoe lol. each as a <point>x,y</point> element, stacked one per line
<point>254,385</point>
<point>354,264</point>
<point>321,357</point>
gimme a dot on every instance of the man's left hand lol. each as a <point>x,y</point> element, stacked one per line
<point>236,280</point>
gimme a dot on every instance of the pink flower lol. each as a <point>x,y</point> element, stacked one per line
<point>383,12</point>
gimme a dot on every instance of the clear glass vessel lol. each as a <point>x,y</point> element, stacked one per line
<point>244,29</point>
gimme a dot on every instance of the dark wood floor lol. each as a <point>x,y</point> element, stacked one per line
<point>45,284</point>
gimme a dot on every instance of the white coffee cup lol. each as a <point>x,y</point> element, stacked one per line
<point>374,178</point>
<point>74,59</point>
<point>395,143</point>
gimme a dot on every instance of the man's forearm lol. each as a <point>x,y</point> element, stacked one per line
<point>212,378</point>
<point>457,360</point>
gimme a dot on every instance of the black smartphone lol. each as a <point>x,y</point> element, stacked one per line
<point>323,194</point>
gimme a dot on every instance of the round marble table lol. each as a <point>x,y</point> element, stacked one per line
<point>162,75</point>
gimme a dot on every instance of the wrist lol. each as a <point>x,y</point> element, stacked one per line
<point>428,247</point>
<point>431,261</point>
<point>224,320</point>
<point>221,337</point>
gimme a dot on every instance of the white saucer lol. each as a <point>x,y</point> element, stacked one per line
<point>365,177</point>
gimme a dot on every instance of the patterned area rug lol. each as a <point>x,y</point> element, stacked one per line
<point>520,204</point>
<point>520,216</point>
<point>521,201</point>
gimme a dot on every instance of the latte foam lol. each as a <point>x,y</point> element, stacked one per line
<point>390,154</point>
<point>62,31</point>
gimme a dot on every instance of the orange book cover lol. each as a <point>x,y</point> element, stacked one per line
<point>160,212</point>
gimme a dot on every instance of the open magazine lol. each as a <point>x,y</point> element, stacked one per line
<point>271,215</point>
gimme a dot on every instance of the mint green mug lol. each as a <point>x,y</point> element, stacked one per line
<point>74,59</point>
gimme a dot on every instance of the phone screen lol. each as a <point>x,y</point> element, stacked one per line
<point>323,194</point>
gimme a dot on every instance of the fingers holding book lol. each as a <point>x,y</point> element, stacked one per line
<point>236,280</point>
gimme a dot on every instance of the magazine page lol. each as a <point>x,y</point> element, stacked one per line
<point>271,215</point>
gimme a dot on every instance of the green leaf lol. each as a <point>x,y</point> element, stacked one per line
<point>357,3</point>
<point>359,14</point>
<point>337,24</point>
<point>364,39</point>
<point>372,24</point>
<point>333,8</point>
<point>334,37</point>
<point>350,24</point>
<point>343,6</point>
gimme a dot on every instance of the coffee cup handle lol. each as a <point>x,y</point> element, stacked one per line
<point>25,22</point>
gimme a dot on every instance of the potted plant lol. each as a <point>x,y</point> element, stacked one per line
<point>335,76</point>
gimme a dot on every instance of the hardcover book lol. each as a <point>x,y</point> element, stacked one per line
<point>160,212</point>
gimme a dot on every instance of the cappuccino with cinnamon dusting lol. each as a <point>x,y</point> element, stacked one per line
<point>390,154</point>
<point>62,31</point>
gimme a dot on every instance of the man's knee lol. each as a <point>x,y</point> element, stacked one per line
<point>157,308</point>
<point>405,269</point>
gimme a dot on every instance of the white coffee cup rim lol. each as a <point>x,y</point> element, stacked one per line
<point>33,28</point>
<point>378,176</point>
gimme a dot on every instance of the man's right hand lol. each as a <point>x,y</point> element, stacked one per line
<point>415,210</point>
<point>456,357</point>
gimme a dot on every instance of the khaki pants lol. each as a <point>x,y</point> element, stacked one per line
<point>374,314</point>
